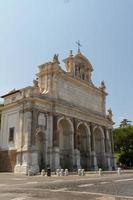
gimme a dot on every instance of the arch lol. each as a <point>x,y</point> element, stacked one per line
<point>99,145</point>
<point>40,145</point>
<point>67,119</point>
<point>40,134</point>
<point>100,129</point>
<point>65,129</point>
<point>86,125</point>
<point>83,142</point>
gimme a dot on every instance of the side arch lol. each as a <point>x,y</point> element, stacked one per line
<point>99,145</point>
<point>67,119</point>
<point>40,145</point>
<point>66,144</point>
<point>83,144</point>
<point>86,125</point>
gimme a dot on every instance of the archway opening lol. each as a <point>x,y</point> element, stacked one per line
<point>65,144</point>
<point>40,144</point>
<point>99,147</point>
<point>83,145</point>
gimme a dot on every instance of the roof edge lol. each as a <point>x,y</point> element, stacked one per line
<point>10,93</point>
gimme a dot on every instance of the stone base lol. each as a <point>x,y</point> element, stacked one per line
<point>21,169</point>
<point>77,159</point>
<point>109,164</point>
<point>56,159</point>
<point>29,161</point>
<point>7,160</point>
<point>94,162</point>
<point>113,163</point>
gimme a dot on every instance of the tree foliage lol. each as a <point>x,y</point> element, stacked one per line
<point>125,123</point>
<point>123,144</point>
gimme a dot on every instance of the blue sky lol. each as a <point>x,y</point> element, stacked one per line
<point>31,31</point>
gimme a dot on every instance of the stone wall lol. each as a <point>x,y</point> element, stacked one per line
<point>80,96</point>
<point>7,161</point>
<point>10,118</point>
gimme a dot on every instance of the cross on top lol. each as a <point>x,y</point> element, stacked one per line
<point>79,45</point>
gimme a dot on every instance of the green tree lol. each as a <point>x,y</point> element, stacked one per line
<point>125,123</point>
<point>123,144</point>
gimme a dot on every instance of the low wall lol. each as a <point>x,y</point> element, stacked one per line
<point>7,160</point>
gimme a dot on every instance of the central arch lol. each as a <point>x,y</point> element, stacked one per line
<point>83,145</point>
<point>65,129</point>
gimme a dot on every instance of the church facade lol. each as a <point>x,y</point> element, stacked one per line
<point>59,122</point>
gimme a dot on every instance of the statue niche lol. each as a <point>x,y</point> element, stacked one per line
<point>42,120</point>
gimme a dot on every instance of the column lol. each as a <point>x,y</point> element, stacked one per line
<point>55,131</point>
<point>56,152</point>
<point>76,161</point>
<point>111,140</point>
<point>75,133</point>
<point>26,158</point>
<point>73,143</point>
<point>24,142</point>
<point>88,153</point>
<point>27,128</point>
<point>92,137</point>
<point>107,150</point>
<point>49,139</point>
<point>93,154</point>
<point>105,140</point>
<point>17,168</point>
<point>113,160</point>
<point>103,159</point>
<point>34,125</point>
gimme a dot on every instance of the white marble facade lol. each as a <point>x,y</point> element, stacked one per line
<point>60,121</point>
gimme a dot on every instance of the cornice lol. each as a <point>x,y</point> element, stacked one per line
<point>88,118</point>
<point>9,106</point>
<point>96,117</point>
<point>52,69</point>
<point>10,93</point>
<point>56,105</point>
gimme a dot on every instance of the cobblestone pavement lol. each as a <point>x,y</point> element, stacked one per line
<point>90,187</point>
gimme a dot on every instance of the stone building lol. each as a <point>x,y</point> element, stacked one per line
<point>60,121</point>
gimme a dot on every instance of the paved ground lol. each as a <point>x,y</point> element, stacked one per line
<point>90,187</point>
